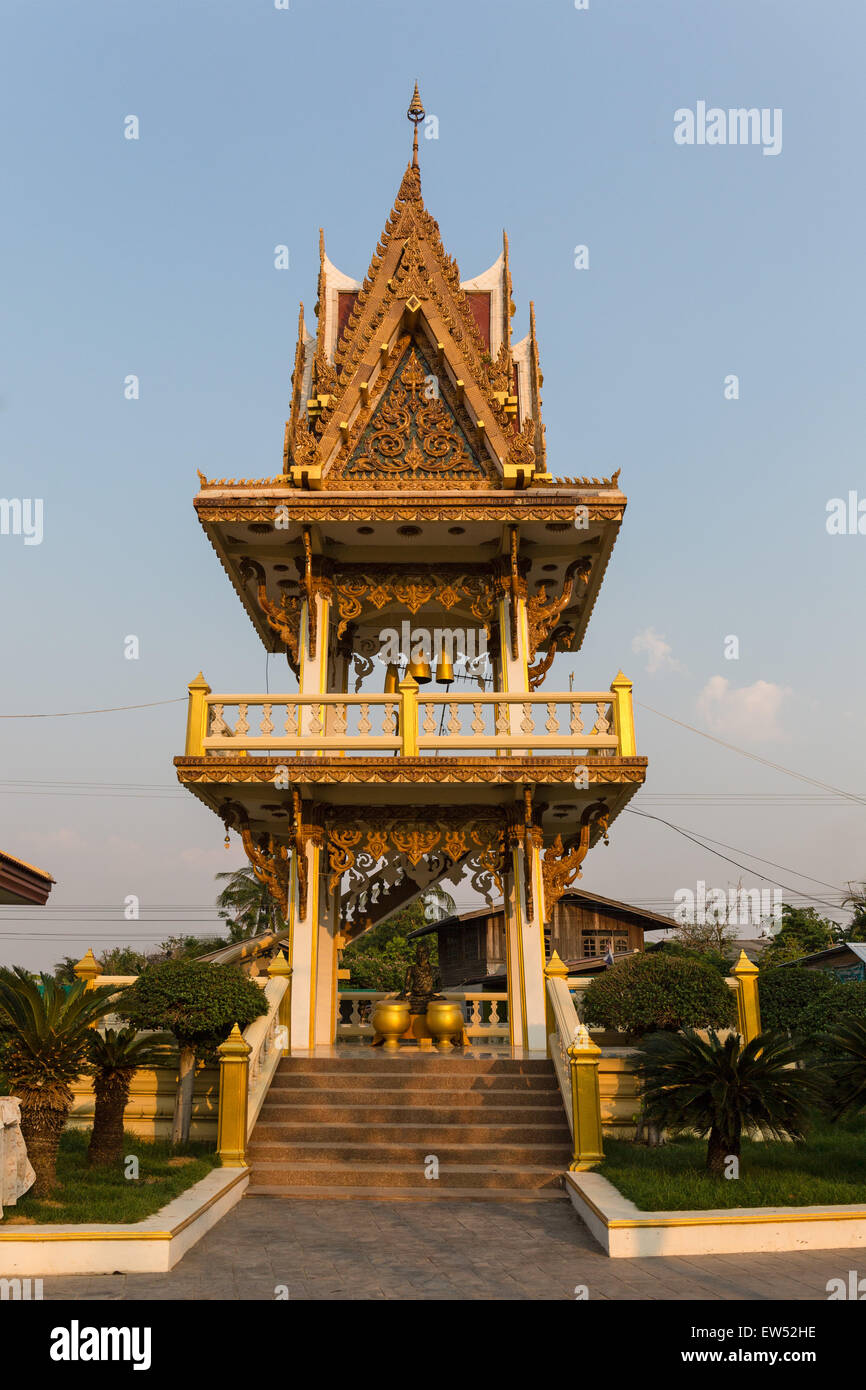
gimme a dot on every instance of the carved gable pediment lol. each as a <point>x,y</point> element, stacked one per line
<point>417,435</point>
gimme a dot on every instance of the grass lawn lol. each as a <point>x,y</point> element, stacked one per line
<point>828,1168</point>
<point>87,1194</point>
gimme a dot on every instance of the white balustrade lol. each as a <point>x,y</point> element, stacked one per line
<point>264,1037</point>
<point>486,1014</point>
<point>437,723</point>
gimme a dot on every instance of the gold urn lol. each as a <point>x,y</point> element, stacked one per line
<point>445,1021</point>
<point>390,1020</point>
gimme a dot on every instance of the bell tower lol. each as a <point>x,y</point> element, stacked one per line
<point>419,567</point>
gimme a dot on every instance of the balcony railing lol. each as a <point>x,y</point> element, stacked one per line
<point>411,724</point>
<point>486,1014</point>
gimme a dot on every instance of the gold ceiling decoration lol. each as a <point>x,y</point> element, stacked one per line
<point>360,842</point>
<point>472,587</point>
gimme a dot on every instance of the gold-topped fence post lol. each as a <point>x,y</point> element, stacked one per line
<point>234,1055</point>
<point>409,716</point>
<point>583,1057</point>
<point>196,718</point>
<point>88,968</point>
<point>745,973</point>
<point>623,715</point>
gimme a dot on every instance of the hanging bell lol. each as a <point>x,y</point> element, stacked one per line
<point>392,679</point>
<point>444,670</point>
<point>420,670</point>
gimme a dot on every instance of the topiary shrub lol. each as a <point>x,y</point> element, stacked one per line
<point>796,1000</point>
<point>199,1003</point>
<point>659,991</point>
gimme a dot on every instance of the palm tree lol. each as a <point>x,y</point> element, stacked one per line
<point>719,1088</point>
<point>116,1055</point>
<point>248,906</point>
<point>46,1027</point>
<point>846,1069</point>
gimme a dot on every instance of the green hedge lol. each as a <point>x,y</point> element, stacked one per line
<point>808,1001</point>
<point>659,990</point>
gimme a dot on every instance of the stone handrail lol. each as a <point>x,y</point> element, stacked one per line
<point>566,1024</point>
<point>267,1041</point>
<point>575,1059</point>
<point>248,1061</point>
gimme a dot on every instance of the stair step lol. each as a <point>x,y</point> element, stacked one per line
<point>426,1100</point>
<point>410,1059</point>
<point>369,1080</point>
<point>557,1155</point>
<point>411,1114</point>
<point>430,1132</point>
<point>408,1194</point>
<point>461,1175</point>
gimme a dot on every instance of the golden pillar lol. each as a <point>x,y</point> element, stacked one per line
<point>745,973</point>
<point>88,968</point>
<point>234,1055</point>
<point>196,717</point>
<point>623,715</point>
<point>583,1058</point>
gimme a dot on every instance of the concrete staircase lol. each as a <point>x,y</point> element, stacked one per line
<point>365,1126</point>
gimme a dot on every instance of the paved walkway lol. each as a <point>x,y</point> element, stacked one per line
<point>443,1250</point>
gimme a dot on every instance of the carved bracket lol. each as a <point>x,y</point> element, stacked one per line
<point>269,858</point>
<point>560,867</point>
<point>562,636</point>
<point>283,618</point>
<point>542,615</point>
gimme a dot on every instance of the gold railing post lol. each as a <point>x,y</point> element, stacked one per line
<point>196,718</point>
<point>555,969</point>
<point>583,1059</point>
<point>234,1055</point>
<point>623,715</point>
<point>88,968</point>
<point>745,973</point>
<point>409,716</point>
<point>279,966</point>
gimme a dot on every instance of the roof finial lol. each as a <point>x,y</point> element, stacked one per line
<point>416,115</point>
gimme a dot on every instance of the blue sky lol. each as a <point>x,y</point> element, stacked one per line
<point>155,257</point>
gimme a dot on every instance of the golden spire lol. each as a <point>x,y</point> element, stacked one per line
<point>416,115</point>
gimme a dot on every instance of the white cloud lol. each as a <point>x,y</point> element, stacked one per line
<point>64,837</point>
<point>750,713</point>
<point>657,649</point>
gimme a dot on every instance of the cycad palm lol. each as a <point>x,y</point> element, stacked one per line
<point>846,1069</point>
<point>116,1055</point>
<point>719,1088</point>
<point>46,1028</point>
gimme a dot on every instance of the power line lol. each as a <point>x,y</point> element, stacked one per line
<point>777,767</point>
<point>748,869</point>
<point>110,709</point>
